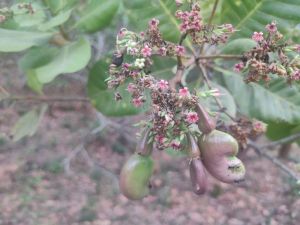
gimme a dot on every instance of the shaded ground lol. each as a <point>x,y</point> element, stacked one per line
<point>35,189</point>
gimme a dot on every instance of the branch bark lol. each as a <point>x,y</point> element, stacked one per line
<point>48,98</point>
<point>275,161</point>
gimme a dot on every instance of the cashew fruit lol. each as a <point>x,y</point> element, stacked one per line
<point>143,146</point>
<point>206,123</point>
<point>135,175</point>
<point>218,151</point>
<point>198,176</point>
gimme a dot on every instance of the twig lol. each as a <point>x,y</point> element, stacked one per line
<point>180,67</point>
<point>275,161</point>
<point>210,21</point>
<point>282,141</point>
<point>217,100</point>
<point>221,56</point>
<point>48,98</point>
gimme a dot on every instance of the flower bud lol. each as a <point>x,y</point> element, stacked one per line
<point>198,176</point>
<point>143,146</point>
<point>206,123</point>
<point>192,149</point>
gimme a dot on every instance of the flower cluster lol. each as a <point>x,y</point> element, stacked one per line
<point>257,63</point>
<point>243,129</point>
<point>174,113</point>
<point>192,24</point>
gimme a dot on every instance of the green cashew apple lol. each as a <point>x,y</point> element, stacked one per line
<point>206,123</point>
<point>135,175</point>
<point>218,151</point>
<point>143,146</point>
<point>198,176</point>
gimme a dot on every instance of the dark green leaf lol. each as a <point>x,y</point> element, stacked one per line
<point>279,102</point>
<point>239,46</point>
<point>253,15</point>
<point>97,15</point>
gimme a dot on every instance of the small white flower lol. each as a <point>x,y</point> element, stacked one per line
<point>140,63</point>
<point>130,45</point>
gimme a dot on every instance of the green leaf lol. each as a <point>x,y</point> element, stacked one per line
<point>226,98</point>
<point>276,131</point>
<point>25,19</point>
<point>141,12</point>
<point>27,124</point>
<point>103,99</point>
<point>58,5</point>
<point>56,21</point>
<point>34,58</point>
<point>97,15</point>
<point>71,58</point>
<point>239,46</point>
<point>253,15</point>
<point>16,41</point>
<point>279,102</point>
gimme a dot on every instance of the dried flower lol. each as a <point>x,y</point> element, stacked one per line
<point>258,36</point>
<point>2,18</point>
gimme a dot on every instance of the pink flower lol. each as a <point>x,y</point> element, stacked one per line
<point>179,3</point>
<point>137,102</point>
<point>184,92</point>
<point>122,32</point>
<point>258,36</point>
<point>298,48</point>
<point>259,126</point>
<point>126,66</point>
<point>163,84</point>
<point>142,34</point>
<point>153,24</point>
<point>192,117</point>
<point>162,51</point>
<point>2,18</point>
<point>179,50</point>
<point>238,67</point>
<point>146,51</point>
<point>160,139</point>
<point>175,144</point>
<point>272,27</point>
<point>131,88</point>
<point>296,75</point>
